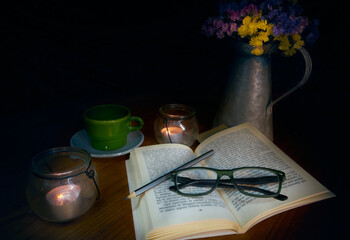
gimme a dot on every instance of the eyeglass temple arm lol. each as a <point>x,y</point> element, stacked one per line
<point>184,182</point>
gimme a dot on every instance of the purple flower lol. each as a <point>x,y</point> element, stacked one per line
<point>312,33</point>
<point>233,15</point>
<point>214,26</point>
<point>276,31</point>
<point>209,28</point>
<point>302,24</point>
<point>285,22</point>
<point>250,10</point>
<point>285,15</point>
<point>231,28</point>
<point>273,13</point>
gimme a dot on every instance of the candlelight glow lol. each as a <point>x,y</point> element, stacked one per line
<point>171,131</point>
<point>63,194</point>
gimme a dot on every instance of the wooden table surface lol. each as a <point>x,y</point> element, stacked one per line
<point>111,217</point>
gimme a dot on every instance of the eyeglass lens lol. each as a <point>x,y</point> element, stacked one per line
<point>251,181</point>
<point>196,181</point>
<point>257,182</point>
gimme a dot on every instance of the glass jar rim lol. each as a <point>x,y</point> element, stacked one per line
<point>172,111</point>
<point>72,152</point>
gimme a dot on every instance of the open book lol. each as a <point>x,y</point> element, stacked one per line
<point>163,214</point>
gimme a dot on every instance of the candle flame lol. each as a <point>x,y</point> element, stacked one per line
<point>60,198</point>
<point>63,194</point>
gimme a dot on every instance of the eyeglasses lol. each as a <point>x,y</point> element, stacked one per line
<point>252,181</point>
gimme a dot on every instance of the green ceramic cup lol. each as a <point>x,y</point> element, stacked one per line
<point>109,125</point>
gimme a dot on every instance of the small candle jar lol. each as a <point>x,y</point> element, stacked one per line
<point>176,123</point>
<point>62,184</point>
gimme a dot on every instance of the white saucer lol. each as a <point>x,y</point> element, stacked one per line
<point>82,140</point>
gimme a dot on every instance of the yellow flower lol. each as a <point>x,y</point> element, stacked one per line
<point>244,29</point>
<point>256,42</point>
<point>269,28</point>
<point>262,24</point>
<point>286,46</point>
<point>263,36</point>
<point>247,20</point>
<point>298,43</point>
<point>257,51</point>
<point>258,30</point>
<point>290,52</point>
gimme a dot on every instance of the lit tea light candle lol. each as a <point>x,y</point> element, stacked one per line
<point>63,200</point>
<point>174,133</point>
<point>63,194</point>
<point>176,123</point>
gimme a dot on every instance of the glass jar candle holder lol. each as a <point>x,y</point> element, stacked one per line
<point>176,123</point>
<point>62,184</point>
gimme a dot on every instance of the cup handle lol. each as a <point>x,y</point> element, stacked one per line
<point>135,119</point>
<point>308,68</point>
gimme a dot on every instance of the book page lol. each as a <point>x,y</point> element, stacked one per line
<point>244,146</point>
<point>164,207</point>
<point>139,215</point>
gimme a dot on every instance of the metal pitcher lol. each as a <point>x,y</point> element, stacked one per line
<point>248,91</point>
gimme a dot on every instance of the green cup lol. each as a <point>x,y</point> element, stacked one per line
<point>109,125</point>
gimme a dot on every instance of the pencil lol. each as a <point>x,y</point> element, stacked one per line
<point>166,176</point>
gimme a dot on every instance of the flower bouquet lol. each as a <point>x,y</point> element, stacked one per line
<point>258,22</point>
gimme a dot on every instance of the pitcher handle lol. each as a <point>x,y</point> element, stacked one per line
<point>308,68</point>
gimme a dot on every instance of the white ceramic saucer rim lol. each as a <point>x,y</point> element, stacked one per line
<point>106,154</point>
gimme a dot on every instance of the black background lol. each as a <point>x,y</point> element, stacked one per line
<point>59,57</point>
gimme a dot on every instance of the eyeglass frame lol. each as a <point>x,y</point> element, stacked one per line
<point>229,172</point>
